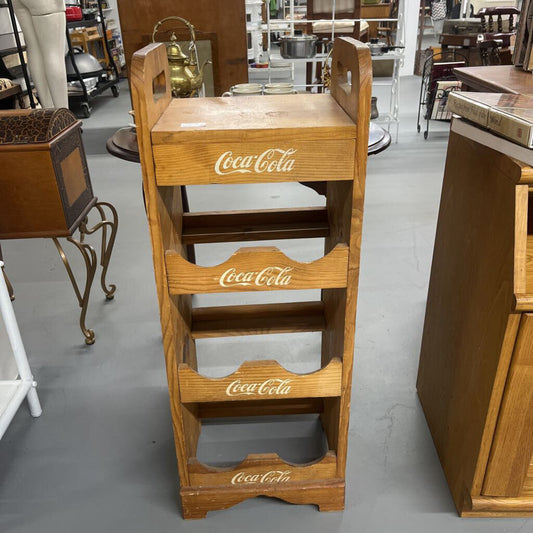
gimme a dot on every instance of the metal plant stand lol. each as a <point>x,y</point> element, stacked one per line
<point>90,258</point>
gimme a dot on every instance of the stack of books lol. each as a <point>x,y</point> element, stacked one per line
<point>508,115</point>
<point>501,117</point>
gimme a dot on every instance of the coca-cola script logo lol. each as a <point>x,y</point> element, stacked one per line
<point>271,160</point>
<point>269,276</point>
<point>274,476</point>
<point>269,387</point>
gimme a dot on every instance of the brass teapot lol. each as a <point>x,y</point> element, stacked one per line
<point>185,77</point>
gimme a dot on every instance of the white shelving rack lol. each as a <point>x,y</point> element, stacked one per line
<point>280,69</point>
<point>113,24</point>
<point>392,116</point>
<point>16,380</point>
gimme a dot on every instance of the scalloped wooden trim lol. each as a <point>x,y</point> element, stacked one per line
<point>260,380</point>
<point>197,501</point>
<point>260,470</point>
<point>251,266</point>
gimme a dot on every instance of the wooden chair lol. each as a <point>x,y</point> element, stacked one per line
<point>386,29</point>
<point>90,40</point>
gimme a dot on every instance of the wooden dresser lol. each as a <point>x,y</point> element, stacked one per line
<point>475,378</point>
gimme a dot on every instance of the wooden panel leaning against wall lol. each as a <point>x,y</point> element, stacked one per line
<point>226,21</point>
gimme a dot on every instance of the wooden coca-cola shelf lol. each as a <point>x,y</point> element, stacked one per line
<point>256,139</point>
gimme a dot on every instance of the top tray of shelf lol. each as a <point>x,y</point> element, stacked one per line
<point>253,118</point>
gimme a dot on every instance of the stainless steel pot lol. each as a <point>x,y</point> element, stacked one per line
<point>298,46</point>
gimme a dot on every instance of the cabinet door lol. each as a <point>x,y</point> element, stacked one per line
<point>512,447</point>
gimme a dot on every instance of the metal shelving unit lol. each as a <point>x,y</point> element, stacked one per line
<point>20,50</point>
<point>279,67</point>
<point>112,80</point>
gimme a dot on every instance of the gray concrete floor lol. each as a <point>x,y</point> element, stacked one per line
<point>101,457</point>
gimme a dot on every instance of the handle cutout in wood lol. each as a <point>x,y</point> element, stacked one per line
<point>263,470</point>
<point>260,380</point>
<point>344,79</point>
<point>159,86</point>
<point>257,269</point>
<point>351,78</point>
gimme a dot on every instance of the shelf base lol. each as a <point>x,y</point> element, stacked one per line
<point>198,501</point>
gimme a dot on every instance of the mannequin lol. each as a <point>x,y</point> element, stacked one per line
<point>43,24</point>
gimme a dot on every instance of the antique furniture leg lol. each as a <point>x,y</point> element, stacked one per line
<point>107,245</point>
<point>91,260</point>
<point>89,256</point>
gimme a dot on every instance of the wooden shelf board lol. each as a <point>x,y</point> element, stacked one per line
<point>252,118</point>
<point>6,93</point>
<point>266,379</point>
<point>298,406</point>
<point>239,226</point>
<point>227,321</point>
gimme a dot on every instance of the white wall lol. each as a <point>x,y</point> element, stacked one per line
<point>411,13</point>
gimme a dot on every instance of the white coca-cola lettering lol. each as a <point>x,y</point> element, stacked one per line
<point>274,476</point>
<point>269,387</point>
<point>269,276</point>
<point>271,160</point>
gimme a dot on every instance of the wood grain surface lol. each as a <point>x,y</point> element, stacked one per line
<point>527,488</point>
<point>345,203</point>
<point>512,446</point>
<point>262,470</point>
<point>292,406</point>
<point>255,225</point>
<point>226,21</point>
<point>468,335</point>
<point>247,119</point>
<point>151,95</point>
<point>258,319</point>
<point>290,160</point>
<point>260,380</point>
<point>262,268</point>
<point>327,495</point>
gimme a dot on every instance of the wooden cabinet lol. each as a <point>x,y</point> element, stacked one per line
<point>475,378</point>
<point>244,140</point>
<point>45,183</point>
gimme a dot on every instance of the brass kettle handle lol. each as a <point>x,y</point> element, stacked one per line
<point>326,70</point>
<point>186,22</point>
